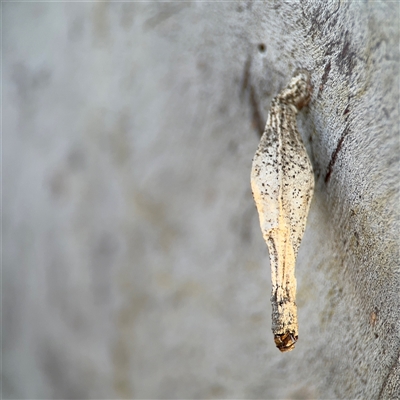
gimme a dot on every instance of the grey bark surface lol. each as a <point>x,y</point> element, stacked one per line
<point>133,264</point>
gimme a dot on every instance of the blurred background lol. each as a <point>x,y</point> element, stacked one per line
<point>133,263</point>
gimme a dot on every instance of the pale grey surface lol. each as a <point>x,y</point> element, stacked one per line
<point>133,263</point>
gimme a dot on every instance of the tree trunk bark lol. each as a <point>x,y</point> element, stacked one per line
<point>133,262</point>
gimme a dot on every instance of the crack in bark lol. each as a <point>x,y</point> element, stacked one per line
<point>324,77</point>
<point>335,154</point>
<point>257,120</point>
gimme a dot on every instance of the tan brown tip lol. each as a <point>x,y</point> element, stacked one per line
<point>285,342</point>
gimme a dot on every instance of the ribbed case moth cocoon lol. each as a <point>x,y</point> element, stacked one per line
<point>282,182</point>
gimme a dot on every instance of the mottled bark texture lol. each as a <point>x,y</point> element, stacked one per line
<point>133,264</point>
